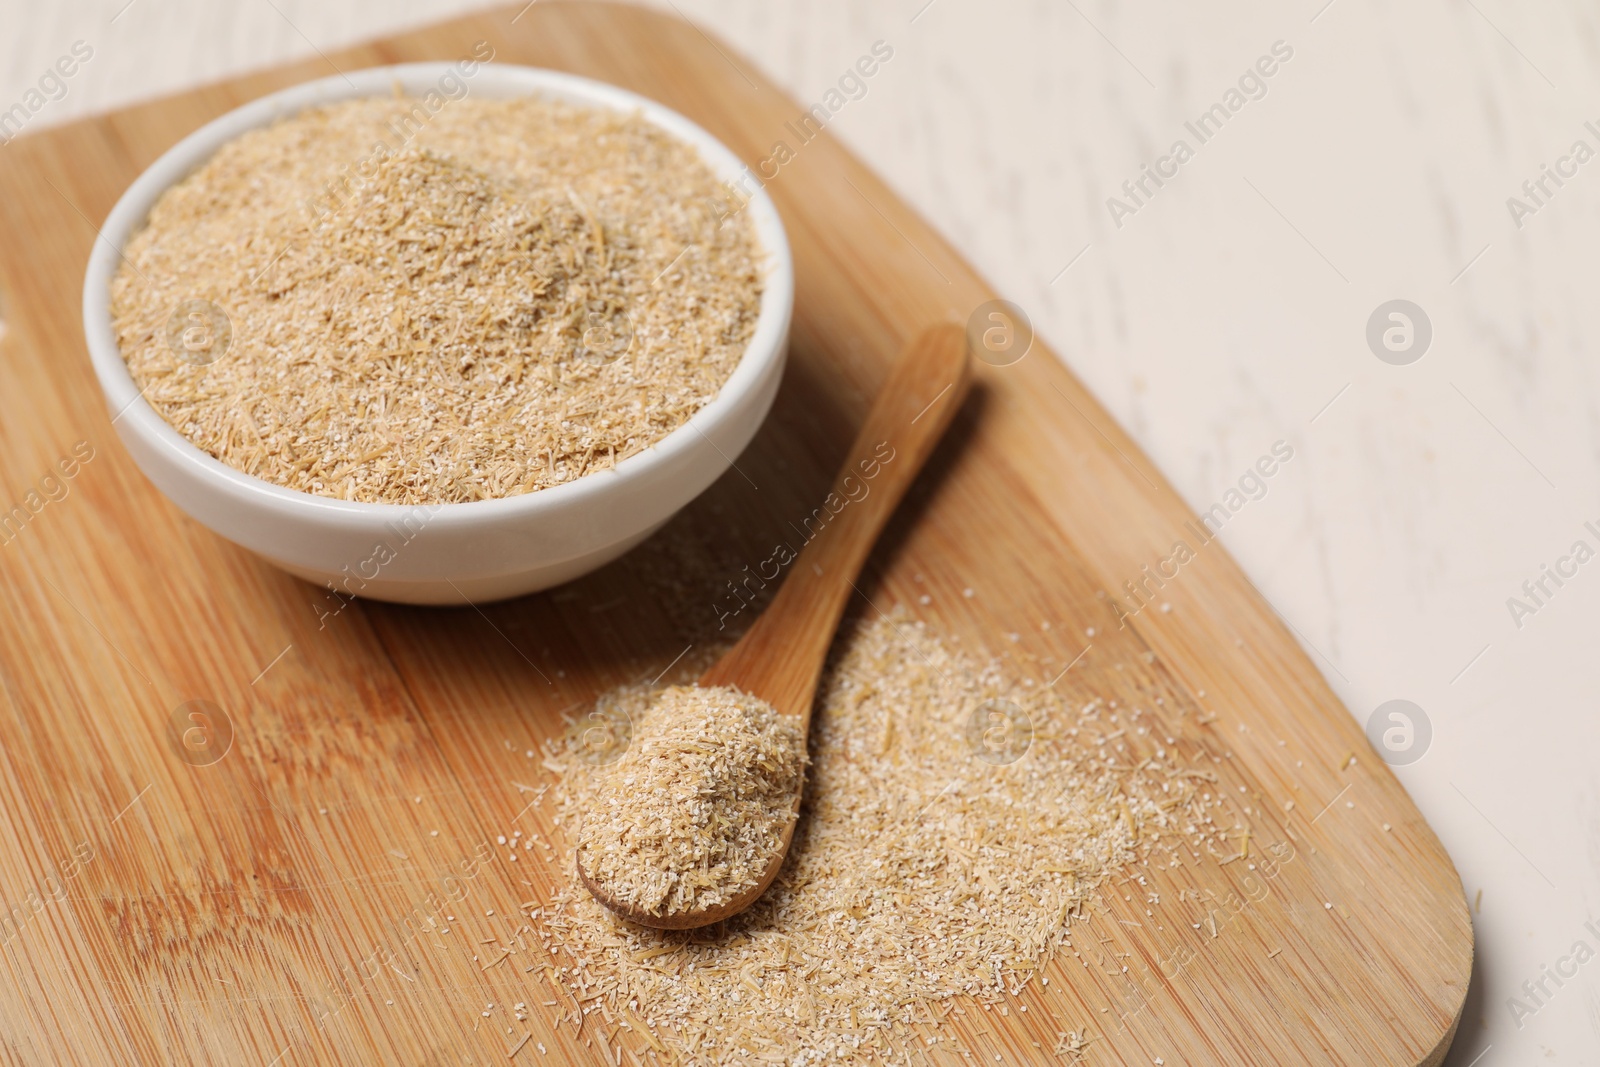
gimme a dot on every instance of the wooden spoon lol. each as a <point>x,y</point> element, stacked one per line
<point>780,657</point>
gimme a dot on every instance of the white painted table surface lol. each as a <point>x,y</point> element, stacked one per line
<point>1226,314</point>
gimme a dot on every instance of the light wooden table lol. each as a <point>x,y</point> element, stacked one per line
<point>1227,311</point>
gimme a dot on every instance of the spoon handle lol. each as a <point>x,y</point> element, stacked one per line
<point>780,657</point>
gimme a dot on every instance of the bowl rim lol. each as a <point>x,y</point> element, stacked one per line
<point>125,400</point>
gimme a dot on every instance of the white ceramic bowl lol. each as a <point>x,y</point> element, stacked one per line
<point>446,553</point>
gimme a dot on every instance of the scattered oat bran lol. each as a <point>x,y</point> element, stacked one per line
<point>694,812</point>
<point>918,872</point>
<point>514,295</point>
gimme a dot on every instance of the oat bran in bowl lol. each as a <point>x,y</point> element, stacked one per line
<point>502,333</point>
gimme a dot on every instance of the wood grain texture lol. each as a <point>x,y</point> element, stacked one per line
<point>254,909</point>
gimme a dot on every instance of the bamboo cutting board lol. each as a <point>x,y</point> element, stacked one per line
<point>163,909</point>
